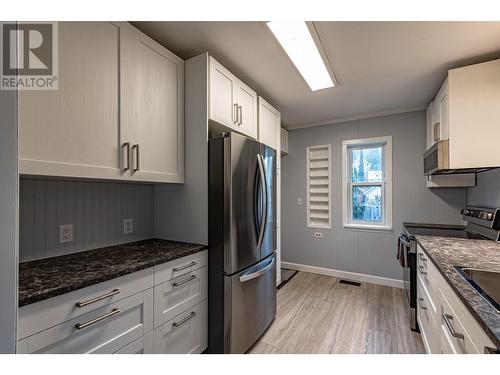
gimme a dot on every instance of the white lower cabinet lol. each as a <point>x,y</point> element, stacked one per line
<point>185,333</point>
<point>119,315</point>
<point>174,296</point>
<point>445,323</point>
<point>143,345</point>
<point>104,330</point>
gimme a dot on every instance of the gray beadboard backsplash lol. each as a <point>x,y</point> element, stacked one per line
<point>96,210</point>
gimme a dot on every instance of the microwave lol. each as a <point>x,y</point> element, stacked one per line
<point>437,161</point>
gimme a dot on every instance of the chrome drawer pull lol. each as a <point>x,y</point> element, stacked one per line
<point>98,319</point>
<point>181,322</point>
<point>96,299</point>
<point>421,269</point>
<point>447,319</point>
<point>184,267</point>
<point>193,277</point>
<point>421,257</point>
<point>421,303</point>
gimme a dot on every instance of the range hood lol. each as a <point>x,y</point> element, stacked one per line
<point>437,161</point>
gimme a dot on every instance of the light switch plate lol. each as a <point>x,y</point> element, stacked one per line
<point>318,235</point>
<point>299,201</point>
<point>128,226</point>
<point>65,233</point>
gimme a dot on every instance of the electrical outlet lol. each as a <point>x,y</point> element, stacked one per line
<point>318,235</point>
<point>66,233</point>
<point>299,201</point>
<point>128,226</point>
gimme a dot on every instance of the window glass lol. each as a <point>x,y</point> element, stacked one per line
<point>366,164</point>
<point>366,203</point>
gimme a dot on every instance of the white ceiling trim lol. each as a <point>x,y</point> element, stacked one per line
<point>356,117</point>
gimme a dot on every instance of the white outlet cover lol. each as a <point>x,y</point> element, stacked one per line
<point>128,226</point>
<point>65,233</point>
<point>318,235</point>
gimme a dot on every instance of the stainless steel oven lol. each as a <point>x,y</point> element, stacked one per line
<point>408,249</point>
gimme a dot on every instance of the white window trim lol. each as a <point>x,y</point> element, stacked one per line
<point>386,225</point>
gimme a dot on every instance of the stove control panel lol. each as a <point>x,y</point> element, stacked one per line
<point>488,217</point>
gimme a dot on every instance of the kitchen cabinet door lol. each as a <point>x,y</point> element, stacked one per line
<point>269,125</point>
<point>152,109</point>
<point>74,131</point>
<point>247,105</point>
<point>222,97</point>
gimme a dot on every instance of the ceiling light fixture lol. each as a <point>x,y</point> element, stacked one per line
<point>298,43</point>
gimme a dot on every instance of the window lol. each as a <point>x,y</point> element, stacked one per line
<point>367,183</point>
<point>318,186</point>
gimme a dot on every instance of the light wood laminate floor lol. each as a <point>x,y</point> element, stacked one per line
<point>317,314</point>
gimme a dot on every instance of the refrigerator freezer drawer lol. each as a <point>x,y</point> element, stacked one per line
<point>252,305</point>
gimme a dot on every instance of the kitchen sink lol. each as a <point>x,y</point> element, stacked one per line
<point>486,283</point>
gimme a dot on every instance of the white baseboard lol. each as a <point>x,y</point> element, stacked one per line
<point>345,274</point>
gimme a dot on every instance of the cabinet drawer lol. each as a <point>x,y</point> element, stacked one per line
<point>182,266</point>
<point>452,331</point>
<point>175,296</point>
<point>185,333</point>
<point>475,337</point>
<point>104,330</point>
<point>425,317</point>
<point>42,315</point>
<point>143,345</point>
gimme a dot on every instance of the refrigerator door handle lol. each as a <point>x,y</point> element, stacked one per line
<point>254,275</point>
<point>263,184</point>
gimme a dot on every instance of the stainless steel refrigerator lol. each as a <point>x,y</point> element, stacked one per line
<point>242,242</point>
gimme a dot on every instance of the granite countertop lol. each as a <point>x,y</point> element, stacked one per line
<point>46,278</point>
<point>447,252</point>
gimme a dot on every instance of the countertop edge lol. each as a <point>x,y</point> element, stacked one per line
<point>475,314</point>
<point>100,279</point>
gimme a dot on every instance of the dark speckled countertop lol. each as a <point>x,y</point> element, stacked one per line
<point>45,278</point>
<point>483,254</point>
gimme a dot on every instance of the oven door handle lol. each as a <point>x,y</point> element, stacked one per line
<point>404,240</point>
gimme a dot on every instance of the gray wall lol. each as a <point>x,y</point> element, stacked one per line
<point>8,220</point>
<point>96,210</point>
<point>371,253</point>
<point>487,191</point>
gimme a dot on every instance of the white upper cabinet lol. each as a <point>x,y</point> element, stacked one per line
<point>118,113</point>
<point>466,112</point>
<point>437,117</point>
<point>74,131</point>
<point>231,102</point>
<point>152,109</point>
<point>222,96</point>
<point>269,125</point>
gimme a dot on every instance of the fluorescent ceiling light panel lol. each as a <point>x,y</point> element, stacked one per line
<point>296,40</point>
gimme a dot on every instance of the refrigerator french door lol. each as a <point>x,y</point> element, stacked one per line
<point>242,242</point>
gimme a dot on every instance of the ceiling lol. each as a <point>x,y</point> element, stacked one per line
<point>381,67</point>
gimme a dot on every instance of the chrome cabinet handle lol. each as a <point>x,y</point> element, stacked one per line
<point>183,321</point>
<point>96,299</point>
<point>421,303</point>
<point>127,146</point>
<point>98,319</point>
<point>447,319</point>
<point>177,269</point>
<point>421,257</point>
<point>421,269</point>
<point>193,277</point>
<point>241,115</point>
<point>235,113</point>
<point>136,147</point>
